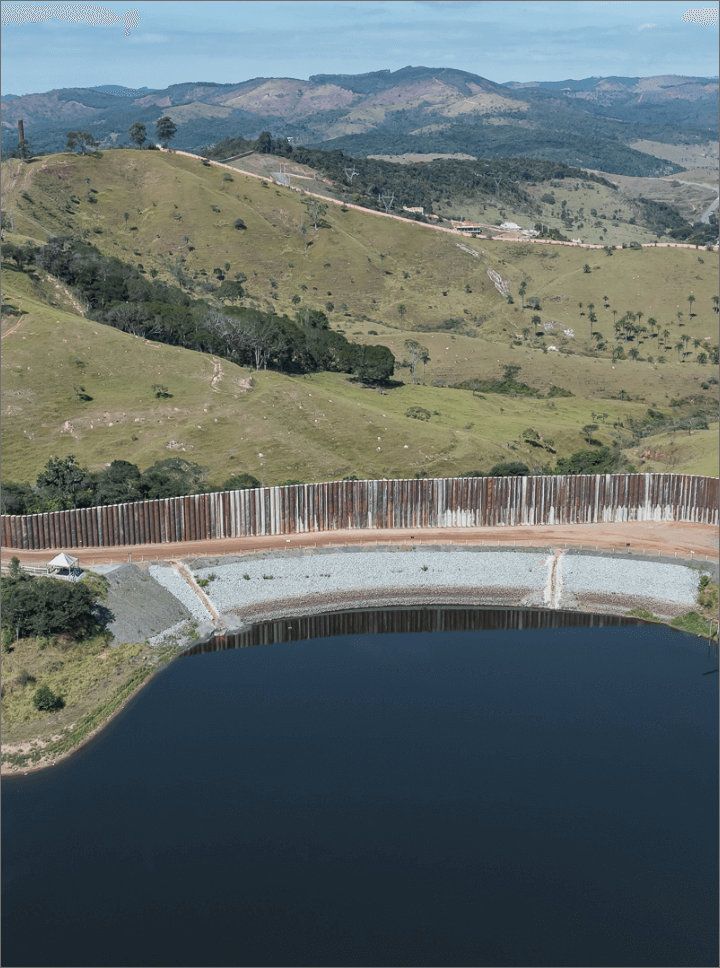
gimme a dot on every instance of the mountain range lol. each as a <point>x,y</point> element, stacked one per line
<point>591,122</point>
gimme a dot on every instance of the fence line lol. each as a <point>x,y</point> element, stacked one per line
<point>385,504</point>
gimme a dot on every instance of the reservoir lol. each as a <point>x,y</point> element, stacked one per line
<point>438,786</point>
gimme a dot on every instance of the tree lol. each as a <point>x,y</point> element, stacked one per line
<point>522,289</point>
<point>138,134</point>
<point>172,477</point>
<point>264,143</point>
<point>373,364</point>
<point>417,353</point>
<point>525,332</point>
<point>81,140</point>
<point>118,484</point>
<point>402,309</point>
<point>230,290</point>
<point>633,353</point>
<point>588,430</point>
<point>165,130</point>
<point>126,216</point>
<point>536,321</point>
<point>63,479</point>
<point>691,300</point>
<point>260,337</point>
<point>316,210</point>
<point>239,224</point>
<point>586,268</point>
<point>716,303</point>
<point>24,149</point>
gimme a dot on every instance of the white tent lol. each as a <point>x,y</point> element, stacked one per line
<point>62,561</point>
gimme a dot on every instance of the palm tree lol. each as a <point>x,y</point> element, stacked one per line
<point>593,319</point>
<point>402,309</point>
<point>652,323</point>
<point>665,334</point>
<point>679,347</point>
<point>614,312</point>
<point>580,307</point>
<point>606,301</point>
<point>639,315</point>
<point>716,301</point>
<point>591,306</point>
<point>525,332</point>
<point>679,315</point>
<point>634,353</point>
<point>536,322</point>
<point>522,289</point>
<point>697,343</point>
<point>691,300</point>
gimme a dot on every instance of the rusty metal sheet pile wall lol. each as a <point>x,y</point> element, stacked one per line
<point>414,504</point>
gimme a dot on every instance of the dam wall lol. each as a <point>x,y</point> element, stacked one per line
<point>383,504</point>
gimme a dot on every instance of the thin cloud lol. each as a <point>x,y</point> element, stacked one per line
<point>646,26</point>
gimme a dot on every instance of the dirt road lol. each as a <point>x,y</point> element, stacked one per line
<point>651,537</point>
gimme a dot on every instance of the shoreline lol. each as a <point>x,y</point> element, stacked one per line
<point>238,617</point>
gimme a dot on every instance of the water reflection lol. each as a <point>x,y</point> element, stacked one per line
<point>389,620</point>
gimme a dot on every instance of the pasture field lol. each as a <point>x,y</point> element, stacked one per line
<point>180,219</point>
<point>690,156</point>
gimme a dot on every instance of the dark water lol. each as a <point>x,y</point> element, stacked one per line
<point>475,794</point>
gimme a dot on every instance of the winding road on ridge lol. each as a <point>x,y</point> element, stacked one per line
<point>705,217</point>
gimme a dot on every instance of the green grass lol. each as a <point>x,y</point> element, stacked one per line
<point>93,679</point>
<point>334,432</point>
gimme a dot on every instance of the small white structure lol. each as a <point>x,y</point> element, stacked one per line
<point>509,225</point>
<point>64,563</point>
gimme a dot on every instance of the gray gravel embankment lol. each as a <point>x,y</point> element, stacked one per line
<point>137,607</point>
<point>295,576</point>
<point>531,577</point>
<point>627,576</point>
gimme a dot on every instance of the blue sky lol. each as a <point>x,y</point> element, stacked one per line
<point>230,41</point>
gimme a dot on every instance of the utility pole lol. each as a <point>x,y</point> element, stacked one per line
<point>350,173</point>
<point>387,201</point>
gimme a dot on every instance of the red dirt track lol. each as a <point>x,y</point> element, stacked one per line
<point>651,537</point>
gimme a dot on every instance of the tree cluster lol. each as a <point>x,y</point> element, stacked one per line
<point>65,484</point>
<point>119,296</point>
<point>47,606</point>
<point>422,185</point>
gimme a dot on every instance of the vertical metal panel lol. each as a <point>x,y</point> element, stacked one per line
<point>34,532</point>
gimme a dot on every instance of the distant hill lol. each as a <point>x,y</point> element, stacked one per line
<point>590,123</point>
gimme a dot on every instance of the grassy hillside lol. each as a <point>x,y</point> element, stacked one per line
<point>366,266</point>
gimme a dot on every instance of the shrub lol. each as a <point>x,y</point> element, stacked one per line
<point>418,413</point>
<point>239,224</point>
<point>46,700</point>
<point>240,482</point>
<point>509,469</point>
